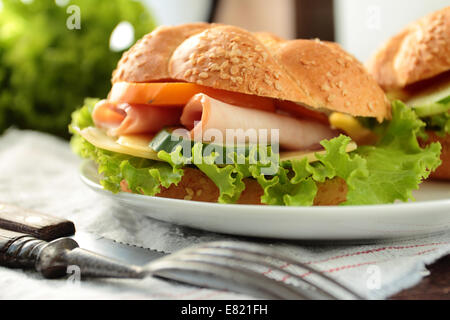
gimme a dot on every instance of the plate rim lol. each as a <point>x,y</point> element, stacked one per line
<point>313,223</point>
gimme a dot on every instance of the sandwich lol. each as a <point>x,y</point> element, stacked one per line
<point>214,113</point>
<point>414,66</point>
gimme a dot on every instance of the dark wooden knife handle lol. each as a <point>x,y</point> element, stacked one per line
<point>33,223</point>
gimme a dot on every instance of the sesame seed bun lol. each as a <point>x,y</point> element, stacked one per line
<point>317,74</point>
<point>421,51</point>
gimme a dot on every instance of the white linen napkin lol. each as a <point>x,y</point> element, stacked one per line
<point>39,171</point>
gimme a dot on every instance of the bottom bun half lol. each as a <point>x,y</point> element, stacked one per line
<point>443,172</point>
<point>196,186</point>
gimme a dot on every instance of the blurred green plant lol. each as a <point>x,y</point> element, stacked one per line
<point>46,70</point>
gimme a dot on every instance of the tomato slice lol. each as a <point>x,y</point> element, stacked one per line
<point>298,111</point>
<point>177,94</point>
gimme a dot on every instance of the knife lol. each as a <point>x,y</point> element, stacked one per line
<point>49,244</point>
<point>59,253</point>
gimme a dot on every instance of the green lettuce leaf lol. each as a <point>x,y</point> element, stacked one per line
<point>397,164</point>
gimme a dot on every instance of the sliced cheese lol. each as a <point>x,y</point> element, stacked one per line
<point>138,145</point>
<point>311,155</point>
<point>352,128</point>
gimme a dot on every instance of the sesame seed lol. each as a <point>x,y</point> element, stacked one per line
<point>331,98</point>
<point>199,192</point>
<point>204,75</point>
<point>220,51</point>
<point>188,197</point>
<point>268,82</point>
<point>278,86</point>
<point>201,60</point>
<point>214,67</point>
<point>325,87</point>
<point>188,73</point>
<point>235,52</point>
<point>189,191</point>
<point>235,60</point>
<point>200,82</point>
<point>234,70</point>
<point>224,76</point>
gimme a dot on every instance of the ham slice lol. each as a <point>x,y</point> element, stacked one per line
<point>123,119</point>
<point>203,113</point>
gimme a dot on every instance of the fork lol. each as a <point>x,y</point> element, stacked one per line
<point>226,265</point>
<point>233,266</point>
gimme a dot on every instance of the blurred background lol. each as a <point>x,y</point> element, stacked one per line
<point>54,53</point>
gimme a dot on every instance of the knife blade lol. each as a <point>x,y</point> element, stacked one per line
<point>117,250</point>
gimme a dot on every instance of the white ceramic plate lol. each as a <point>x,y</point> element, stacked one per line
<point>429,214</point>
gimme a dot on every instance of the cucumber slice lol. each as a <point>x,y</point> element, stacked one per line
<point>436,94</point>
<point>432,109</point>
<point>166,141</point>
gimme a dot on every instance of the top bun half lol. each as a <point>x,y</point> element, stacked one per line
<point>317,74</point>
<point>421,51</point>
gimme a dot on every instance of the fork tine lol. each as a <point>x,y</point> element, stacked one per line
<point>247,257</point>
<point>267,251</point>
<point>218,276</point>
